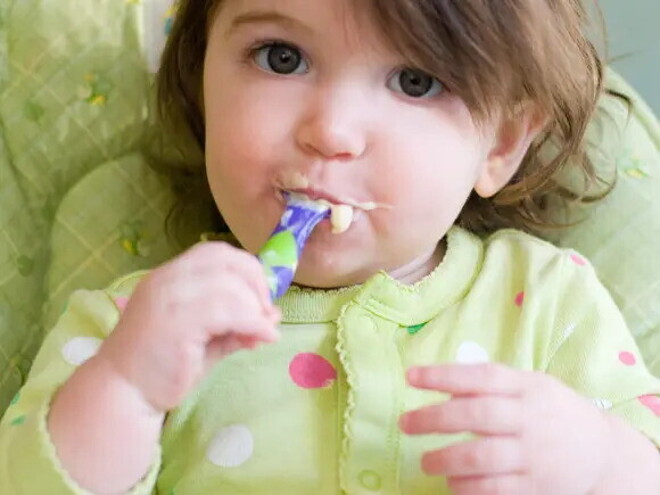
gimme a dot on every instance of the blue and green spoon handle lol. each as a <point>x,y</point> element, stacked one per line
<point>280,254</point>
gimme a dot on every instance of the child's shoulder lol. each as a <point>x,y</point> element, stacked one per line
<point>528,256</point>
<point>511,237</point>
<point>540,276</point>
<point>518,244</point>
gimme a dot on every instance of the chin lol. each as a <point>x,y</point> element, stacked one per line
<point>336,260</point>
<point>331,273</point>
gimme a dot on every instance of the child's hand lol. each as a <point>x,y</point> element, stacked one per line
<point>538,436</point>
<point>207,303</point>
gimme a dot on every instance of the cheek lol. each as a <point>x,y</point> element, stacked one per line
<point>258,114</point>
<point>433,198</point>
<point>435,169</point>
<point>245,140</point>
<point>430,174</point>
<point>246,143</point>
<point>233,138</point>
<point>440,142</point>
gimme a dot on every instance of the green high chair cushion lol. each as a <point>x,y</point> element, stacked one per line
<point>79,206</point>
<point>621,234</point>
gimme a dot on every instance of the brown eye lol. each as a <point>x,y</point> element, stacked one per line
<point>280,58</point>
<point>415,83</point>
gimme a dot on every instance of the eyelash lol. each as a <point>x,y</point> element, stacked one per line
<point>253,49</point>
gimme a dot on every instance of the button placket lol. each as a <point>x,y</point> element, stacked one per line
<point>372,451</point>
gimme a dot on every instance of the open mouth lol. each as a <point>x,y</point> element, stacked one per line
<point>341,215</point>
<point>299,184</point>
<point>342,209</point>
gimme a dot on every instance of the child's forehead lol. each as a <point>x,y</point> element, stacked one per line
<point>347,19</point>
<point>302,8</point>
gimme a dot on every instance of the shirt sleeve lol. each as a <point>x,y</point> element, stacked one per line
<point>595,353</point>
<point>28,460</point>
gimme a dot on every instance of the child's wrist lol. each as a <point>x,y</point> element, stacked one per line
<point>608,464</point>
<point>628,451</point>
<point>94,418</point>
<point>113,375</point>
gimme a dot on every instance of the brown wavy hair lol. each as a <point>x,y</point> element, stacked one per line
<point>494,54</point>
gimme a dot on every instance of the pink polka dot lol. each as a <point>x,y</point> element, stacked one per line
<point>652,402</point>
<point>520,298</point>
<point>121,303</point>
<point>578,260</point>
<point>310,371</point>
<point>627,358</point>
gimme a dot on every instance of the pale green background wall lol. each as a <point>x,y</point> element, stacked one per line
<point>634,30</point>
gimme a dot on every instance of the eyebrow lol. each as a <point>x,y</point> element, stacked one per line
<point>266,17</point>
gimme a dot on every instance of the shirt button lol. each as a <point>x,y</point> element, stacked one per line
<point>370,480</point>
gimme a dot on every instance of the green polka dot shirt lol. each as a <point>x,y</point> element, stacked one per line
<point>317,412</point>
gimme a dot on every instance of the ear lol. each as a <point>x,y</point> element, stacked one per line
<point>512,140</point>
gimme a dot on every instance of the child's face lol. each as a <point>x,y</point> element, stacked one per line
<point>327,100</point>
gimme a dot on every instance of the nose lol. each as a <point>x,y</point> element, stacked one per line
<point>334,125</point>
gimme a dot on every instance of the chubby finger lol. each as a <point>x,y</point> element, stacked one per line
<point>257,328</point>
<point>483,457</point>
<point>221,347</point>
<point>483,415</point>
<point>511,484</point>
<point>468,379</point>
<point>250,265</point>
<point>209,258</point>
<point>231,306</point>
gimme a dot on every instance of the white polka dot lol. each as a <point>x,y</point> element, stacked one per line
<point>231,447</point>
<point>602,403</point>
<point>472,353</point>
<point>79,349</point>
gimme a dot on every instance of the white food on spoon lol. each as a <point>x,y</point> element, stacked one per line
<point>341,218</point>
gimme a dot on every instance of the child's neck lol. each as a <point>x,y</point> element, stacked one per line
<point>420,267</point>
<point>417,269</point>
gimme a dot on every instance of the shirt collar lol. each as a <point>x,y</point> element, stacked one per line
<point>390,299</point>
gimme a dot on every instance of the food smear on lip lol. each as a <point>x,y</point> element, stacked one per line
<point>341,216</point>
<point>342,211</point>
<point>298,181</point>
